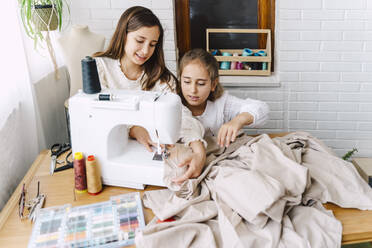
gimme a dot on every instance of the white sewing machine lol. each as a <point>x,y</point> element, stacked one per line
<point>99,128</point>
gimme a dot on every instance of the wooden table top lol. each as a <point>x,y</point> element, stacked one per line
<point>59,190</point>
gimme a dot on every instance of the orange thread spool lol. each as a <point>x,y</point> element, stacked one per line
<point>93,176</point>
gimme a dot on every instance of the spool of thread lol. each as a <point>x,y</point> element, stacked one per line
<point>247,52</point>
<point>233,63</point>
<point>80,173</point>
<point>225,65</point>
<point>239,65</point>
<point>91,84</point>
<point>93,176</point>
<point>262,53</point>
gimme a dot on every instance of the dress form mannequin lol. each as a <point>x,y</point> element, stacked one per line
<point>75,45</point>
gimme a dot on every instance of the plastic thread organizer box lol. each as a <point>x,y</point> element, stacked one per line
<point>263,58</point>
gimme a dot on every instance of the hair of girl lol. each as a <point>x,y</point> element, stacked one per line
<point>211,65</point>
<point>131,20</point>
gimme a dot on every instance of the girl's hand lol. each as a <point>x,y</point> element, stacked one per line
<point>229,130</point>
<point>195,162</point>
<point>142,136</point>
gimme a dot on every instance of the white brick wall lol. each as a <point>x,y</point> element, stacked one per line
<point>323,65</point>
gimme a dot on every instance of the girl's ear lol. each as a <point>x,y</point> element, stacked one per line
<point>214,85</point>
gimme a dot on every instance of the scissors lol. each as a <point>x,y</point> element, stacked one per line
<point>56,150</point>
<point>68,165</point>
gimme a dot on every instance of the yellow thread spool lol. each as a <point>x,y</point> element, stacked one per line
<point>93,176</point>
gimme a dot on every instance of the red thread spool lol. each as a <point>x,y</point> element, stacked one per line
<point>80,173</point>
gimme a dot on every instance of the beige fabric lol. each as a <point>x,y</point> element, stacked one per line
<point>261,192</point>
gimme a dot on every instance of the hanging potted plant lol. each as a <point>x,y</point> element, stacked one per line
<point>41,16</point>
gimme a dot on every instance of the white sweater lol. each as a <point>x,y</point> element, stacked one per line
<point>111,77</point>
<point>227,107</point>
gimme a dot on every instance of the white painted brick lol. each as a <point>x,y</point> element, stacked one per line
<point>365,144</point>
<point>170,55</point>
<point>276,115</point>
<point>354,135</point>
<point>77,14</point>
<point>321,35</point>
<point>168,25</point>
<point>357,77</point>
<point>365,126</point>
<point>319,76</point>
<point>355,97</point>
<point>290,56</point>
<point>323,14</point>
<point>320,56</point>
<point>333,106</point>
<point>162,4</point>
<point>366,87</point>
<point>356,56</point>
<point>317,116</point>
<point>355,116</point>
<point>289,14</point>
<point>318,97</point>
<point>289,35</point>
<point>336,125</point>
<point>169,34</point>
<point>164,14</point>
<point>364,35</point>
<point>241,94</point>
<point>172,66</point>
<point>120,4</point>
<point>358,14</point>
<point>106,13</point>
<point>102,24</point>
<point>275,106</point>
<point>343,25</point>
<point>169,45</point>
<point>368,68</point>
<point>337,4</point>
<point>299,25</point>
<point>342,46</point>
<point>92,4</point>
<point>303,106</point>
<point>337,144</point>
<point>289,76</point>
<point>273,124</point>
<point>301,87</point>
<point>300,4</point>
<point>363,152</point>
<point>270,96</point>
<point>292,115</point>
<point>328,134</point>
<point>339,87</point>
<point>302,125</point>
<point>299,66</point>
<point>292,96</point>
<point>341,67</point>
<point>366,107</point>
<point>368,25</point>
<point>299,45</point>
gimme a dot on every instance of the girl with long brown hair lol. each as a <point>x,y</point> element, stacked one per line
<point>134,60</point>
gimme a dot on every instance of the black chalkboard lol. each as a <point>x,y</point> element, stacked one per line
<point>223,14</point>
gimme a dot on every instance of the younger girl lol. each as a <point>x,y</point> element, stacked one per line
<point>221,114</point>
<point>134,60</point>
